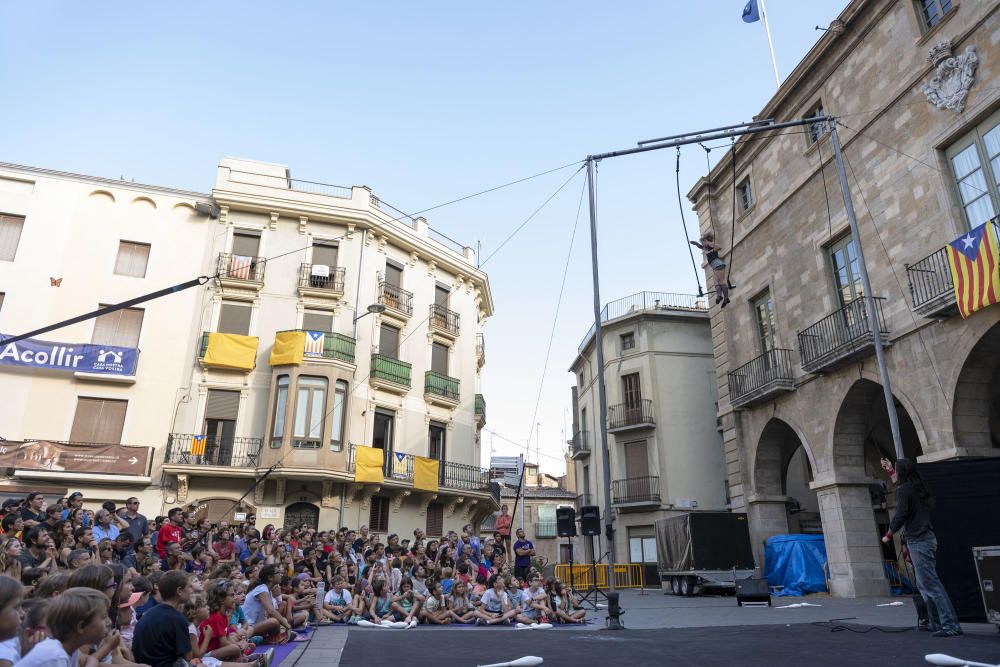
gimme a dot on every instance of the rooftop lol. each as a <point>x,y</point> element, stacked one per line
<point>640,302</point>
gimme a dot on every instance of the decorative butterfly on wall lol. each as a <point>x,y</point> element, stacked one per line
<point>55,282</point>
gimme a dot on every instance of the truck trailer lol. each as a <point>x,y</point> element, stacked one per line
<point>703,550</point>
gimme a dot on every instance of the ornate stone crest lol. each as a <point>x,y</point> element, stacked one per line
<point>953,77</point>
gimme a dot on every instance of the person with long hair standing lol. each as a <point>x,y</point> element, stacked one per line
<point>914,504</point>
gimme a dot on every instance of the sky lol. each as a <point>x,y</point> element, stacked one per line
<point>424,103</point>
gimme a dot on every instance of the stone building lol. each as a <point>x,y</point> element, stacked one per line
<point>916,88</point>
<point>666,449</point>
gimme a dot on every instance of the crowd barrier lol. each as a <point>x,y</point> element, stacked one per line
<point>626,575</point>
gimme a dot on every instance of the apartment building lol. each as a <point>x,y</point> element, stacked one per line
<point>915,88</point>
<point>665,446</point>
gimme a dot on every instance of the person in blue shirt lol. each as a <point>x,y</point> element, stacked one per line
<point>105,529</point>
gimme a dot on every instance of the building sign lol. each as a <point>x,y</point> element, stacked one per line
<point>61,457</point>
<point>85,358</point>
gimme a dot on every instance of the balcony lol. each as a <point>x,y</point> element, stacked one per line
<point>630,416</point>
<point>396,466</point>
<point>636,491</point>
<point>396,300</point>
<point>480,350</point>
<point>224,351</point>
<point>761,379</point>
<point>240,271</point>
<point>579,446</point>
<point>442,389</point>
<point>841,337</point>
<point>208,450</point>
<point>327,345</point>
<point>451,475</point>
<point>443,321</point>
<point>480,411</point>
<point>545,529</point>
<point>583,500</point>
<point>390,374</point>
<point>321,282</point>
<point>931,285</point>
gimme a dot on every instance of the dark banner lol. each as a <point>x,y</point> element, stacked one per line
<point>62,457</point>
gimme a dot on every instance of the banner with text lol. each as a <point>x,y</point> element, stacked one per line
<point>62,457</point>
<point>85,358</point>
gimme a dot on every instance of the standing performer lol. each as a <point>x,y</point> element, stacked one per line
<point>711,250</point>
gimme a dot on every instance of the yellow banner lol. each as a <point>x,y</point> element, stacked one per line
<point>288,348</point>
<point>368,465</point>
<point>425,473</point>
<point>231,351</point>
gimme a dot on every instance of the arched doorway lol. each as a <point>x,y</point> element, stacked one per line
<point>976,411</point>
<point>297,514</point>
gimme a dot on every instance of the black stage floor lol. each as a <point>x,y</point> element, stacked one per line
<point>806,645</point>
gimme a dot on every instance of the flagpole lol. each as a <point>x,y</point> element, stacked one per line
<point>770,44</point>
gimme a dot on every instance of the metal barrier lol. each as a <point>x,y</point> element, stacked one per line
<point>627,575</point>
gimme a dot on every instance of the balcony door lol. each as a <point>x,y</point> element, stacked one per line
<point>441,295</point>
<point>846,272</point>
<point>632,395</point>
<point>221,411</point>
<point>436,433</point>
<point>636,461</point>
<point>388,341</point>
<point>763,308</point>
<point>246,244</point>
<point>439,358</point>
<point>382,437</point>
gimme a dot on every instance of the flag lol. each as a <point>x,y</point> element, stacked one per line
<point>197,445</point>
<point>368,465</point>
<point>425,473</point>
<point>399,467</point>
<point>973,261</point>
<point>288,348</point>
<point>315,343</point>
<point>751,14</point>
<point>239,267</point>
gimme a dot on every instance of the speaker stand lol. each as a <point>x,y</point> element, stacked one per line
<point>594,593</point>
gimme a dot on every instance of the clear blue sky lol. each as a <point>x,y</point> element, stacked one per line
<point>423,102</point>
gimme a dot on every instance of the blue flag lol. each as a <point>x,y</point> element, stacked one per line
<point>750,13</point>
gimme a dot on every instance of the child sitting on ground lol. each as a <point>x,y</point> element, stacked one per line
<point>75,619</point>
<point>337,604</point>
<point>435,609</point>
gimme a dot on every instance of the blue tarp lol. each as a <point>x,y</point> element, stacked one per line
<point>795,562</point>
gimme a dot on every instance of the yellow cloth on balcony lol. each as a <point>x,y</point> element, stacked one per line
<point>231,351</point>
<point>288,348</point>
<point>368,465</point>
<point>425,473</point>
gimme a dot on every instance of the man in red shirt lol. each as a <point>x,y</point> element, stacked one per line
<point>503,525</point>
<point>224,547</point>
<point>170,531</point>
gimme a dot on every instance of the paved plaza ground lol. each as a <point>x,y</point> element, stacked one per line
<point>669,630</point>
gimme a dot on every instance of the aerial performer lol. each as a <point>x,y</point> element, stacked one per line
<point>711,250</point>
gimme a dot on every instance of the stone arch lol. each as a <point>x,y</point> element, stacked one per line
<point>218,508</point>
<point>144,202</point>
<point>183,208</point>
<point>976,406</point>
<point>776,445</point>
<point>861,432</point>
<point>102,196</point>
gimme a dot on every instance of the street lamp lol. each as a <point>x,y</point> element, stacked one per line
<point>373,308</point>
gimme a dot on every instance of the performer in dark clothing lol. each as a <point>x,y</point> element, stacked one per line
<point>914,503</point>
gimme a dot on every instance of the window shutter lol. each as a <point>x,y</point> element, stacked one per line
<point>10,236</point>
<point>120,328</point>
<point>394,275</point>
<point>325,253</point>
<point>435,519</point>
<point>222,404</point>
<point>388,342</point>
<point>234,318</point>
<point>98,420</point>
<point>441,296</point>
<point>439,358</point>
<point>132,259</point>
<point>378,517</point>
<point>636,464</point>
<point>246,244</point>
<point>317,322</point>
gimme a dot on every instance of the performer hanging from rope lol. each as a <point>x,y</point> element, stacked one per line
<point>711,250</point>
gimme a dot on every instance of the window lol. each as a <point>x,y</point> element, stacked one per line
<point>234,318</point>
<point>382,433</point>
<point>932,11</point>
<point>436,441</point>
<point>816,131</point>
<point>99,420</point>
<point>388,341</point>
<point>744,193</point>
<point>325,254</point>
<point>393,274</point>
<point>280,408</point>
<point>439,358</point>
<point>221,410</point>
<point>132,259</point>
<point>631,390</point>
<point>846,274</point>
<point>337,416</point>
<point>10,235</point>
<point>246,243</point>
<point>317,322</point>
<point>441,294</point>
<point>628,341</point>
<point>636,461</point>
<point>763,308</point>
<point>586,482</point>
<point>978,185</point>
<point>378,516</point>
<point>310,412</point>
<point>119,328</point>
<point>435,519</point>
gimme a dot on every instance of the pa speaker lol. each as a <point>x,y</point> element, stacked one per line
<point>590,520</point>
<point>566,522</point>
<point>752,592</point>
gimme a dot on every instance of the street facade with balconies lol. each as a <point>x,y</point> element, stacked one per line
<point>801,400</point>
<point>665,447</point>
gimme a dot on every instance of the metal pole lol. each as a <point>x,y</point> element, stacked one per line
<point>602,399</point>
<point>873,321</point>
<point>770,44</point>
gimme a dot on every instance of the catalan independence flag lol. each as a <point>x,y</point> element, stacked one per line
<point>198,445</point>
<point>973,260</point>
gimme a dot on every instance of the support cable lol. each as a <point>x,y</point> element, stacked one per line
<point>732,237</point>
<point>687,238</point>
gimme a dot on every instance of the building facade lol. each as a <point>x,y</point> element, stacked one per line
<point>914,86</point>
<point>665,447</point>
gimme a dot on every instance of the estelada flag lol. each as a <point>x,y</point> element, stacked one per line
<point>198,445</point>
<point>973,261</point>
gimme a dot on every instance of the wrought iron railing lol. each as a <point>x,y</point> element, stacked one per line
<point>443,319</point>
<point>399,466</point>
<point>285,183</point>
<point>446,241</point>
<point>395,465</point>
<point>844,331</point>
<point>240,267</point>
<point>395,297</point>
<point>635,413</point>
<point>442,385</point>
<point>334,346</point>
<point>461,476</point>
<point>930,278</point>
<point>333,282</point>
<point>580,444</point>
<point>391,370</point>
<point>545,529</point>
<point>772,366</point>
<point>214,451</point>
<point>636,490</point>
<point>647,301</point>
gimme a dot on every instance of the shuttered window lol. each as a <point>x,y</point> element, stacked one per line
<point>222,404</point>
<point>98,420</point>
<point>317,322</point>
<point>246,244</point>
<point>378,517</point>
<point>10,236</point>
<point>388,341</point>
<point>394,274</point>
<point>120,328</point>
<point>234,318</point>
<point>439,358</point>
<point>441,296</point>
<point>325,253</point>
<point>435,519</point>
<point>636,463</point>
<point>132,259</point>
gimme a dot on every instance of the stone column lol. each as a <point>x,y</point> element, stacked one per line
<point>854,555</point>
<point>768,516</point>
